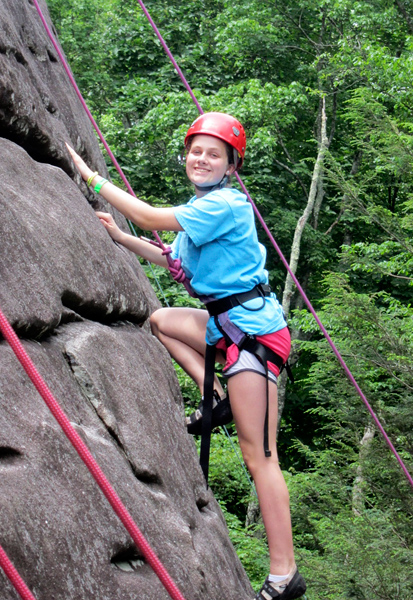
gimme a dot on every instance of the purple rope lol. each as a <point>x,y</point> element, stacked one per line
<point>287,266</point>
<point>260,218</point>
<point>89,114</point>
<point>171,58</point>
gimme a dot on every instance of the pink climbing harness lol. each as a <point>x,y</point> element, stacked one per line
<point>236,340</point>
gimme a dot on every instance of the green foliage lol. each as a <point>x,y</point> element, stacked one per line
<point>348,555</point>
<point>373,539</point>
<point>251,548</point>
<point>228,477</point>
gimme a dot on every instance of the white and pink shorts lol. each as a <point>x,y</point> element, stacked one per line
<point>236,361</point>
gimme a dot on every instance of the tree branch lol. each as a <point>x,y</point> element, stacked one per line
<point>287,168</point>
<point>407,17</point>
<point>284,147</point>
<point>359,482</point>
<point>336,222</point>
<point>315,182</point>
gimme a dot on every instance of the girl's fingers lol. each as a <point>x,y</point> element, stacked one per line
<point>103,215</point>
<point>105,218</point>
<point>109,224</point>
<point>75,156</point>
<point>79,162</point>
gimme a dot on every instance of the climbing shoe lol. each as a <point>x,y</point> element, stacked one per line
<point>289,589</point>
<point>221,415</point>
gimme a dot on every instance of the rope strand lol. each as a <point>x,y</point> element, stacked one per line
<point>87,457</point>
<point>14,577</point>
<point>300,289</point>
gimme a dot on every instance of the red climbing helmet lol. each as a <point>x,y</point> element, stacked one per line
<point>222,126</point>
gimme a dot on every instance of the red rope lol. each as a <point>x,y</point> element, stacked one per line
<point>88,459</point>
<point>14,577</point>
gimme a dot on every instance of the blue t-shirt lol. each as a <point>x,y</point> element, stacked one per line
<point>221,256</point>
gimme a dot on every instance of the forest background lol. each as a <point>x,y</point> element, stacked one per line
<point>323,88</point>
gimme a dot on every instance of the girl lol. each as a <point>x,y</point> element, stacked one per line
<point>220,254</point>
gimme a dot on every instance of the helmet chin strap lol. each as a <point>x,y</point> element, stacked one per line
<point>216,186</point>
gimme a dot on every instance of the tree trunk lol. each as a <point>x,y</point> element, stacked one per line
<point>316,184</point>
<point>315,198</point>
<point>254,516</point>
<point>358,493</point>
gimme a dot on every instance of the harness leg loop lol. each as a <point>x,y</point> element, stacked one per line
<point>210,352</point>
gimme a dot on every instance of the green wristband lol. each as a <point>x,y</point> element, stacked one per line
<point>99,185</point>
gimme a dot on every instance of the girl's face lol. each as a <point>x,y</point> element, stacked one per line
<point>207,161</point>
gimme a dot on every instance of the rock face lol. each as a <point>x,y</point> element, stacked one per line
<point>81,304</point>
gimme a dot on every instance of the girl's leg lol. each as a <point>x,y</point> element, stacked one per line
<point>182,332</point>
<point>248,401</point>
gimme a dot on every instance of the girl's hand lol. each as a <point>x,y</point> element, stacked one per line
<point>109,223</point>
<point>80,164</point>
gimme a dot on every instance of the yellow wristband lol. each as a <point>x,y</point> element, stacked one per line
<point>91,178</point>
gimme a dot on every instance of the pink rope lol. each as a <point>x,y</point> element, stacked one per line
<point>171,262</point>
<point>73,82</point>
<point>170,55</point>
<point>14,577</point>
<point>260,218</point>
<point>88,459</point>
<point>287,266</point>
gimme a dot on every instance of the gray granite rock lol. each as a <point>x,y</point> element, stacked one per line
<point>56,525</point>
<point>39,108</point>
<point>57,260</point>
<point>81,304</point>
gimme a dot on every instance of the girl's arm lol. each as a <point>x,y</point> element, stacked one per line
<point>142,214</point>
<point>132,243</point>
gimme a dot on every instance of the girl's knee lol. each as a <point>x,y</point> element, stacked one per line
<point>255,459</point>
<point>249,456</point>
<point>156,319</point>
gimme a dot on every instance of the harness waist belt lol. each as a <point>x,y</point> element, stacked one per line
<point>216,307</point>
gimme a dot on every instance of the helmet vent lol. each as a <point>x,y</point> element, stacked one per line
<point>235,131</point>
